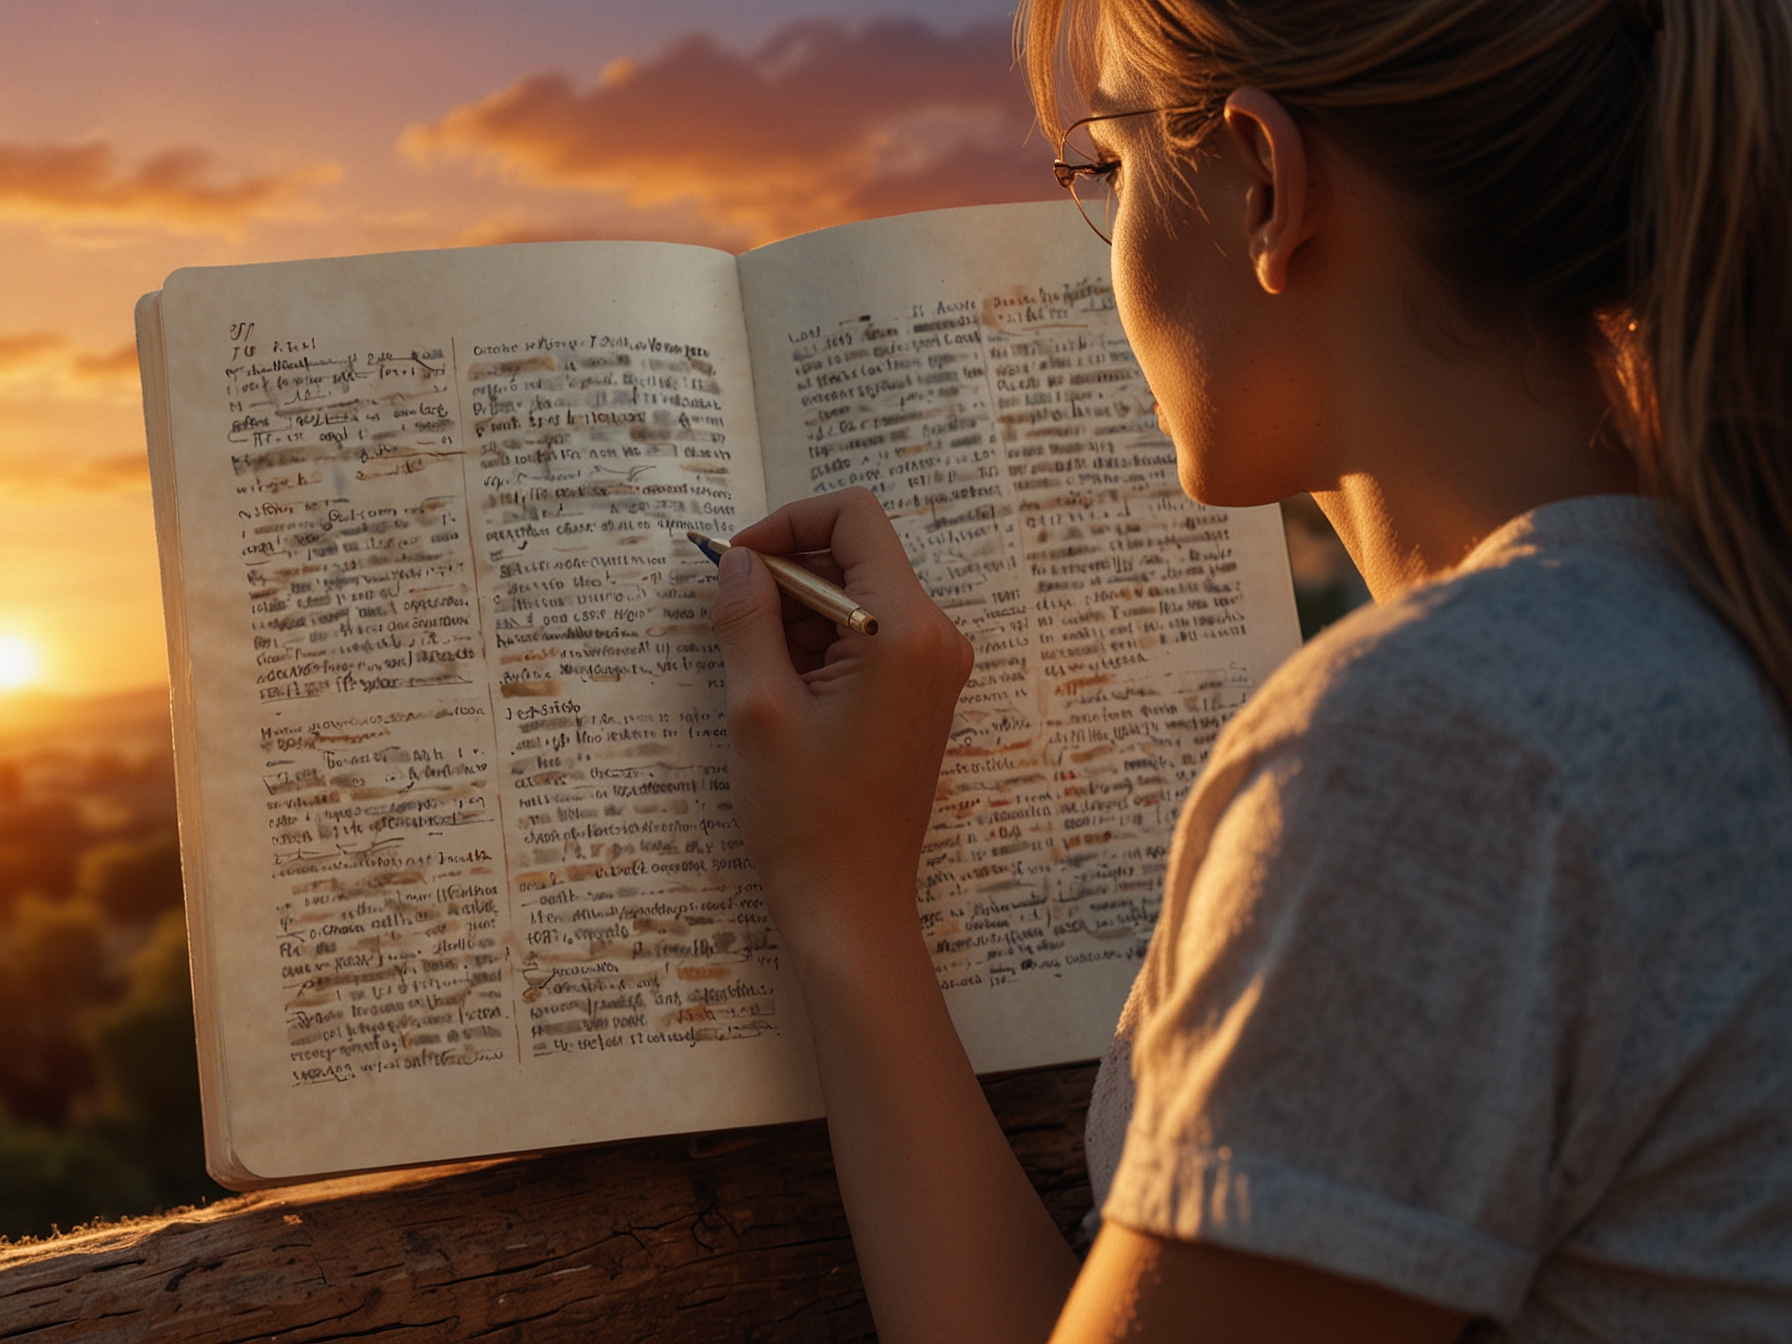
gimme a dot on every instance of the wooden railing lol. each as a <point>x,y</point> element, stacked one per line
<point>736,1236</point>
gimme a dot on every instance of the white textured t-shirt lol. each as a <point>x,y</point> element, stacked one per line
<point>1474,972</point>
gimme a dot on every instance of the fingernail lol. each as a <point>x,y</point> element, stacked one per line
<point>736,562</point>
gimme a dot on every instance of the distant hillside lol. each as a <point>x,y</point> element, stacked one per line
<point>131,723</point>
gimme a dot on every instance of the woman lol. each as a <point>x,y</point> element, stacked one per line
<point>1469,1005</point>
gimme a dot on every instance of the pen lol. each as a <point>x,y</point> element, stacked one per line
<point>813,592</point>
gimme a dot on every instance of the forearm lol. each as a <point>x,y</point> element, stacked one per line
<point>952,1240</point>
<point>835,744</point>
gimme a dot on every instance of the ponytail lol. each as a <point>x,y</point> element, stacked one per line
<point>1712,268</point>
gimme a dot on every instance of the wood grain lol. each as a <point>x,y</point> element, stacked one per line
<point>735,1236</point>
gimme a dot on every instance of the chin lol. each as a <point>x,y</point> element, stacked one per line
<point>1221,489</point>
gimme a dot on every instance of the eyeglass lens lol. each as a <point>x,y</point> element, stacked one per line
<point>1093,191</point>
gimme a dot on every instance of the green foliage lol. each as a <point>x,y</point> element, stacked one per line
<point>149,1071</point>
<point>40,843</point>
<point>54,967</point>
<point>144,1043</point>
<point>50,1180</point>
<point>1326,583</point>
<point>54,954</point>
<point>1319,608</point>
<point>138,1143</point>
<point>132,881</point>
<point>99,1085</point>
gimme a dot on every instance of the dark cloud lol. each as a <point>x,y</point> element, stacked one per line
<point>175,189</point>
<point>822,124</point>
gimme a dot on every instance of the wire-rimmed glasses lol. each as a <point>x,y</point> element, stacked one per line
<point>1088,175</point>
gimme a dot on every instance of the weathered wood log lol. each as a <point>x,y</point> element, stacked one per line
<point>736,1236</point>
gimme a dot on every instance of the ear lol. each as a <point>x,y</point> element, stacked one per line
<point>1278,215</point>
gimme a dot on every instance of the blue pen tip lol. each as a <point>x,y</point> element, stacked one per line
<point>707,546</point>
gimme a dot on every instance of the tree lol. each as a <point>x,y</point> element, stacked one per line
<point>39,845</point>
<point>149,1071</point>
<point>53,969</point>
<point>133,882</point>
<point>50,1180</point>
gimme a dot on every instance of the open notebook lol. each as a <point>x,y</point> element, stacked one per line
<point>461,872</point>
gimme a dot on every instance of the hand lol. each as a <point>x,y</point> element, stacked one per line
<point>835,738</point>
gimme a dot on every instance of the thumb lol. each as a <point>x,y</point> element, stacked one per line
<point>748,621</point>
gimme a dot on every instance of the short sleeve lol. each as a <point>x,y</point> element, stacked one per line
<point>1354,999</point>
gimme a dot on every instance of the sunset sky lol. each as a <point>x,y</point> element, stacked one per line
<point>138,136</point>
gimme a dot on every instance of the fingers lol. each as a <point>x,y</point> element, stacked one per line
<point>864,550</point>
<point>919,644</point>
<point>849,523</point>
<point>809,636</point>
<point>821,563</point>
<point>808,633</point>
<point>749,625</point>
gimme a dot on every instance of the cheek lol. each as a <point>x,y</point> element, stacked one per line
<point>1171,347</point>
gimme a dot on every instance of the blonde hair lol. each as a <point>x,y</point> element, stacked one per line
<point>1615,170</point>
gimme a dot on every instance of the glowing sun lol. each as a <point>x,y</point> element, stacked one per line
<point>18,662</point>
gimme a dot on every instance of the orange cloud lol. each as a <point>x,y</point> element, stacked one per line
<point>822,124</point>
<point>675,225</point>
<point>23,475</point>
<point>50,361</point>
<point>175,189</point>
<point>118,364</point>
<point>29,350</point>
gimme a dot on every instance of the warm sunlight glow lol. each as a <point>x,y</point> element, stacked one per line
<point>18,662</point>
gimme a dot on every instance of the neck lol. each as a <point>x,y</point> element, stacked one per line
<point>1437,459</point>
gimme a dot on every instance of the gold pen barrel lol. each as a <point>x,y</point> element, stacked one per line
<point>819,595</point>
<point>812,591</point>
